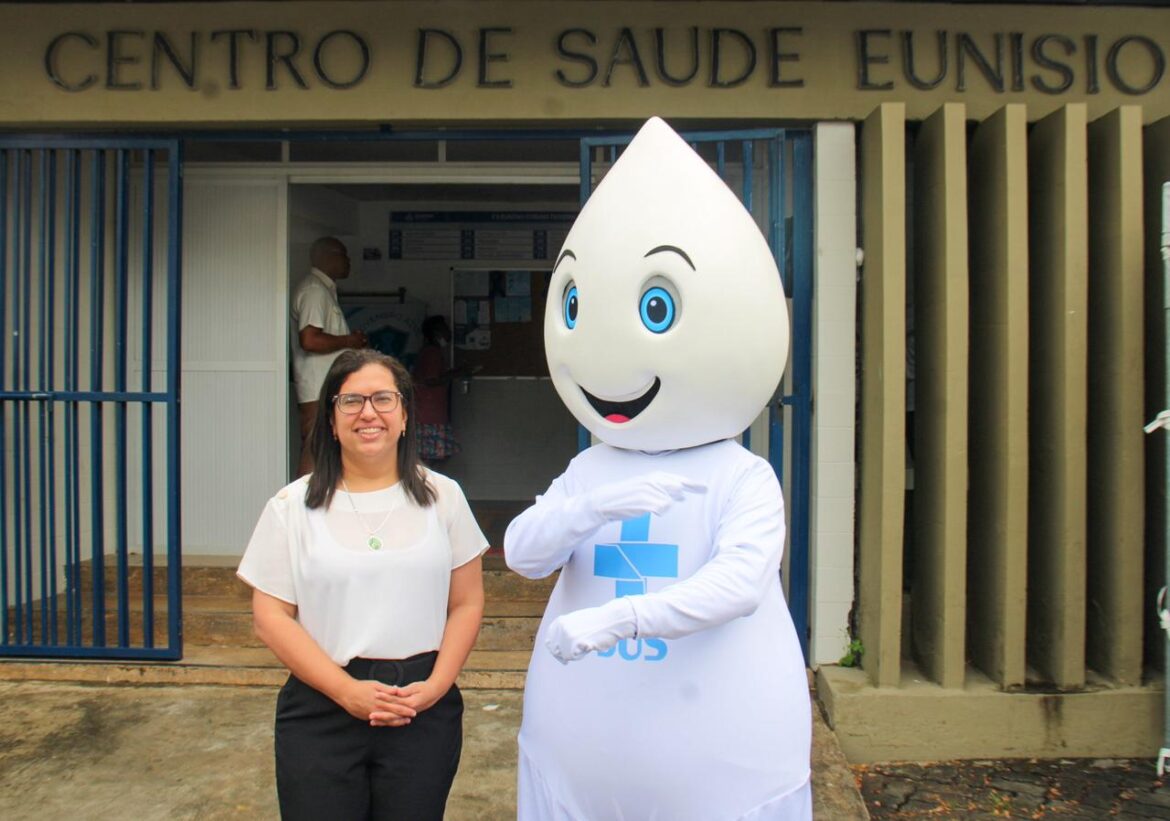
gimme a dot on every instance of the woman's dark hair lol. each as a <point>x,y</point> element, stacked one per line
<point>326,449</point>
<point>431,326</point>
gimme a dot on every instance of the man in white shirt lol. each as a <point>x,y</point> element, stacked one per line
<point>321,332</point>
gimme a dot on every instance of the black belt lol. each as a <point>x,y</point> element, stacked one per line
<point>394,672</point>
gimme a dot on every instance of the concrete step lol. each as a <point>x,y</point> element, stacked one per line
<point>216,576</point>
<point>219,644</point>
<point>226,621</point>
<point>238,666</point>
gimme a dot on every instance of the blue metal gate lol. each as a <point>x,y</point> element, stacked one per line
<point>785,207</point>
<point>89,397</point>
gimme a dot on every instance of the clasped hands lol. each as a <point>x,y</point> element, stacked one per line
<point>572,635</point>
<point>384,705</point>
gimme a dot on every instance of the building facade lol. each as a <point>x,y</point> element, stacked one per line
<point>963,199</point>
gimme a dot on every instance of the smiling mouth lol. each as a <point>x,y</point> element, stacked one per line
<point>619,412</point>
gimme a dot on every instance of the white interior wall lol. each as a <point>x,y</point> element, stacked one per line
<point>316,211</point>
<point>517,437</point>
<point>516,434</point>
<point>235,355</point>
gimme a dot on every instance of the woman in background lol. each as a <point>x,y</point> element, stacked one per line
<point>367,585</point>
<point>433,379</point>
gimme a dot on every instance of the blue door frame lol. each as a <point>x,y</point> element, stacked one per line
<point>76,255</point>
<point>787,163</point>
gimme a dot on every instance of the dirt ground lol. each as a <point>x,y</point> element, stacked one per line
<point>1096,789</point>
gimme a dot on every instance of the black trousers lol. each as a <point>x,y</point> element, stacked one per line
<point>330,765</point>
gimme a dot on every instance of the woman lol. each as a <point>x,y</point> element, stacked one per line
<point>367,585</point>
<point>437,440</point>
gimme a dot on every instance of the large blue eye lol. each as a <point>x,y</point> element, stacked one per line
<point>657,309</point>
<point>570,307</point>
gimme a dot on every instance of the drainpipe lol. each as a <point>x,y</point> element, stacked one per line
<point>1163,421</point>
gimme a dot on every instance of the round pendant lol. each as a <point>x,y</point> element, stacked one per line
<point>375,543</point>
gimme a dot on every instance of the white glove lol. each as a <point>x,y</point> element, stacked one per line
<point>542,538</point>
<point>649,493</point>
<point>572,635</point>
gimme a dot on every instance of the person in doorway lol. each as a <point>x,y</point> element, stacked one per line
<point>367,584</point>
<point>437,440</point>
<point>321,332</point>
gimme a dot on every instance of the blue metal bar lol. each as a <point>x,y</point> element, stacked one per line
<point>22,444</point>
<point>121,297</point>
<point>43,552</point>
<point>147,415</point>
<point>72,367</point>
<point>48,182</point>
<point>4,194</point>
<point>747,163</point>
<point>96,289</point>
<point>93,142</point>
<point>802,238</point>
<point>775,189</point>
<point>161,140</point>
<point>776,243</point>
<point>586,162</point>
<point>776,436</point>
<point>156,654</point>
<point>782,246</point>
<point>690,136</point>
<point>747,170</point>
<point>721,159</point>
<point>18,564</point>
<point>174,318</point>
<point>584,441</point>
<point>49,412</point>
<point>72,546</point>
<point>84,396</point>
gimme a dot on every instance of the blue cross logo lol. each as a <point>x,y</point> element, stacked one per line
<point>634,558</point>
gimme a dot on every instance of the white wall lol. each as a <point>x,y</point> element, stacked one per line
<point>234,356</point>
<point>834,387</point>
<point>316,211</point>
<point>516,434</point>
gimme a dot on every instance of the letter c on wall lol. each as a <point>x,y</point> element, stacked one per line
<point>51,61</point>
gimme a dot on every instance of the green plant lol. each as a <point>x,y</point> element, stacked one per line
<point>853,653</point>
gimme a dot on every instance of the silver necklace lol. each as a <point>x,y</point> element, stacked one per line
<point>373,542</point>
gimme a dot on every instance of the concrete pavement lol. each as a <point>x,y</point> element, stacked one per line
<point>70,751</point>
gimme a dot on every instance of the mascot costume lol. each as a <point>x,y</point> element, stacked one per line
<point>667,683</point>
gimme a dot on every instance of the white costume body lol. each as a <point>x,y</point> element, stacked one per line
<point>711,722</point>
<point>667,683</point>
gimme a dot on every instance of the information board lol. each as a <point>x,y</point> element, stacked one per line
<point>477,235</point>
<point>498,320</point>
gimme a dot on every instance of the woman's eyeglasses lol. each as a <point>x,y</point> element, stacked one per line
<point>383,401</point>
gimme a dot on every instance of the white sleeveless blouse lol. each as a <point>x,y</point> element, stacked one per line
<point>353,600</point>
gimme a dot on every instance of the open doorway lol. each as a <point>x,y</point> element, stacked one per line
<point>476,254</point>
